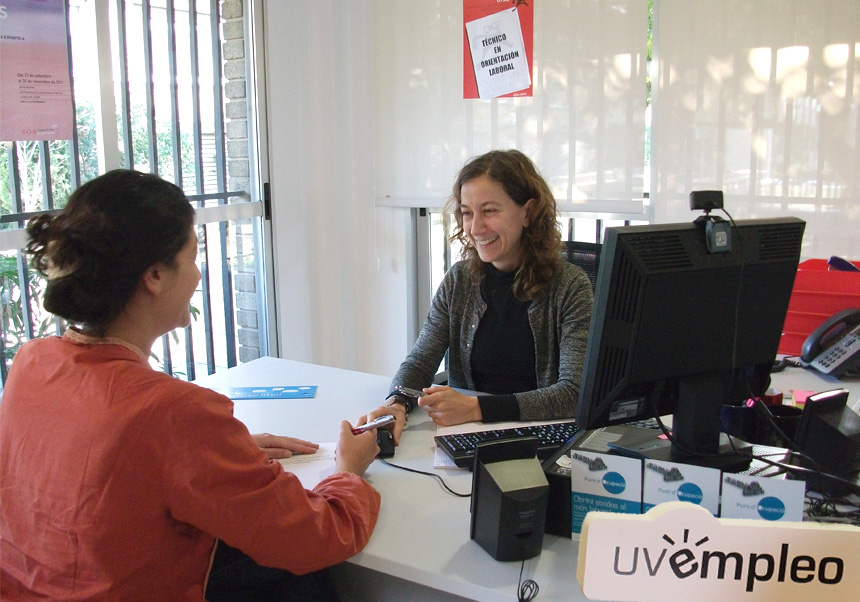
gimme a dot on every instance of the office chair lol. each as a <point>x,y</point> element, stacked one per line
<point>586,255</point>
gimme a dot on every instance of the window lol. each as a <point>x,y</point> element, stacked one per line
<point>179,108</point>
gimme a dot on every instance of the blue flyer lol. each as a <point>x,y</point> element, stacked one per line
<point>285,392</point>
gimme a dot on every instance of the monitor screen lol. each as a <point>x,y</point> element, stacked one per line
<point>678,329</point>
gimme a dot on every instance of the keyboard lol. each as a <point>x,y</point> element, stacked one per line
<point>461,447</point>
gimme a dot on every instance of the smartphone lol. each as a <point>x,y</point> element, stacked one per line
<point>415,393</point>
<point>381,421</point>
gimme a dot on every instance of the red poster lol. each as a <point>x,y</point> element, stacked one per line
<point>497,48</point>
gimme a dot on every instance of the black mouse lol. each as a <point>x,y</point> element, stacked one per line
<point>385,441</point>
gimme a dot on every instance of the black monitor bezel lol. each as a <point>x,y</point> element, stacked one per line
<point>763,259</point>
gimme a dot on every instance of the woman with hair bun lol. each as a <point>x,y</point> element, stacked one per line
<point>512,315</point>
<point>119,482</point>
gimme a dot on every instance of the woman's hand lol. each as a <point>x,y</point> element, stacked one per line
<point>447,407</point>
<point>355,453</point>
<point>395,409</point>
<point>283,447</point>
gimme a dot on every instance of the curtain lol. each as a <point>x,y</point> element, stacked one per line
<point>584,125</point>
<point>759,100</point>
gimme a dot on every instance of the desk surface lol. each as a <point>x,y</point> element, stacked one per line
<point>423,531</point>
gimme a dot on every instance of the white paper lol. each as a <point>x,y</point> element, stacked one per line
<point>498,54</point>
<point>311,468</point>
<point>442,460</point>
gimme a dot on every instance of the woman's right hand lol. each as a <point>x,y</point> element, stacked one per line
<point>395,409</point>
<point>354,453</point>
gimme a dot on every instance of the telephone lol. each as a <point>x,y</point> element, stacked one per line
<point>834,347</point>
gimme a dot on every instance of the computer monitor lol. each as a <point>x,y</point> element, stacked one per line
<point>678,329</point>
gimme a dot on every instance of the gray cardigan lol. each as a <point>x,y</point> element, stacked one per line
<point>559,321</point>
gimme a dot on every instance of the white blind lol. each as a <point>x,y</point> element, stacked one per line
<point>760,100</point>
<point>584,126</point>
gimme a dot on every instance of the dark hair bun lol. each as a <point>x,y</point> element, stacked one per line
<point>111,231</point>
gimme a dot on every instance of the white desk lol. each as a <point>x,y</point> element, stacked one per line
<point>421,548</point>
<point>422,535</point>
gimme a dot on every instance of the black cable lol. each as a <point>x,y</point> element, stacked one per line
<point>825,510</point>
<point>820,512</point>
<point>794,452</point>
<point>793,468</point>
<point>738,239</point>
<point>793,361</point>
<point>737,452</point>
<point>528,589</point>
<point>683,448</point>
<point>788,361</point>
<point>429,474</point>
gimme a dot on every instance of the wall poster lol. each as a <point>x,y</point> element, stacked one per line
<point>35,86</point>
<point>497,48</point>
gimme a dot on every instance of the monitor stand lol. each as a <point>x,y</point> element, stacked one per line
<point>646,443</point>
<point>696,427</point>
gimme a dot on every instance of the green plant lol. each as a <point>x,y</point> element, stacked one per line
<point>12,309</point>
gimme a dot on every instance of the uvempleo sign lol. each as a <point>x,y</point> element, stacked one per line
<point>679,551</point>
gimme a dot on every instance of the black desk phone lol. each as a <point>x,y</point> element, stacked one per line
<point>834,347</point>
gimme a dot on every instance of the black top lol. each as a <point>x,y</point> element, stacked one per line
<point>503,357</point>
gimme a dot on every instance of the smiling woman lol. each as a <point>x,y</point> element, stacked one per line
<point>493,222</point>
<point>500,176</point>
<point>512,316</point>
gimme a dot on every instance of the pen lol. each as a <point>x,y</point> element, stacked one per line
<point>381,421</point>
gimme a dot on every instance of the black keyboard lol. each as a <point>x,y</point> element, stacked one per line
<point>461,447</point>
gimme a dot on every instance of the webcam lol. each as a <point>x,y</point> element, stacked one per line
<point>706,200</point>
<point>718,232</point>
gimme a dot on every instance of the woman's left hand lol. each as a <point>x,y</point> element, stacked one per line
<point>447,407</point>
<point>277,447</point>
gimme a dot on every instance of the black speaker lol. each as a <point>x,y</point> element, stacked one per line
<point>509,498</point>
<point>829,434</point>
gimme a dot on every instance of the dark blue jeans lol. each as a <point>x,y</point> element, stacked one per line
<point>236,578</point>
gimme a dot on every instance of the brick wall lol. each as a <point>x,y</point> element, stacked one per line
<point>239,175</point>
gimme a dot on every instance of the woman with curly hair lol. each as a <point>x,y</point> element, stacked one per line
<point>512,315</point>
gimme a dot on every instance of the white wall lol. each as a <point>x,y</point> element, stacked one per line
<point>340,263</point>
<point>342,272</point>
<point>364,101</point>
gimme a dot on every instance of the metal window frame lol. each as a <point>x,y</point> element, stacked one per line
<point>221,214</point>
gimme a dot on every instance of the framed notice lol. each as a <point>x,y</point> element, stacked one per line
<point>497,48</point>
<point>35,85</point>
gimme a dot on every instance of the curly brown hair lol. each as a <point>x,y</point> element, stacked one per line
<point>541,240</point>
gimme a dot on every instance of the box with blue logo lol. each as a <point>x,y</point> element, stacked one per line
<point>671,482</point>
<point>772,499</point>
<point>603,482</point>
